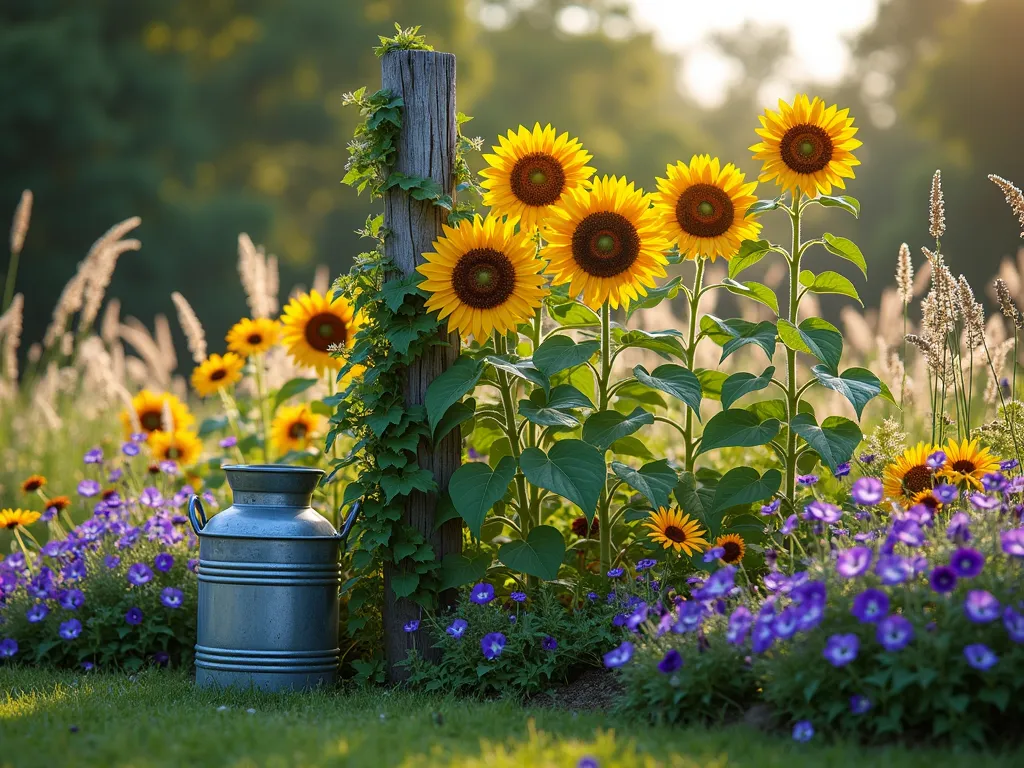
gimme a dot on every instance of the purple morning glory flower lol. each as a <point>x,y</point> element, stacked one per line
<point>151,497</point>
<point>943,579</point>
<point>88,666</point>
<point>646,564</point>
<point>739,625</point>
<point>823,511</point>
<point>592,596</point>
<point>981,606</point>
<point>513,618</point>
<point>981,501</point>
<point>967,562</point>
<point>810,615</point>
<point>619,656</point>
<point>112,561</point>
<point>995,482</point>
<point>37,612</point>
<point>763,636</point>
<point>803,731</point>
<point>867,491</point>
<point>549,643</point>
<point>88,488</point>
<point>411,626</point>
<point>72,600</point>
<point>908,531</point>
<point>842,469</point>
<point>133,617</point>
<point>169,467</point>
<point>130,449</point>
<point>1013,542</point>
<point>457,628</point>
<point>229,442</point>
<point>959,528</point>
<point>615,573</point>
<point>1009,464</point>
<point>807,480</point>
<point>8,647</point>
<point>588,762</point>
<point>717,584</point>
<point>945,493</point>
<point>518,597</point>
<point>840,650</point>
<point>70,629</point>
<point>789,526</point>
<point>492,645</point>
<point>859,705</point>
<point>771,507</point>
<point>893,569</point>
<point>867,458</point>
<point>171,597</point>
<point>936,460</point>
<point>786,623</point>
<point>980,656</point>
<point>94,456</point>
<point>482,593</point>
<point>870,606</point>
<point>894,633</point>
<point>163,562</point>
<point>715,553</point>
<point>853,562</point>
<point>1014,622</point>
<point>670,662</point>
<point>139,574</point>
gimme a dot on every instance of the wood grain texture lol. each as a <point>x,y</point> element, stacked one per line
<point>426,82</point>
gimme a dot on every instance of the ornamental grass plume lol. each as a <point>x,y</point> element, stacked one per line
<point>1006,304</point>
<point>973,314</point>
<point>1013,196</point>
<point>936,208</point>
<point>19,226</point>
<point>191,327</point>
<point>905,275</point>
<point>10,333</point>
<point>259,276</point>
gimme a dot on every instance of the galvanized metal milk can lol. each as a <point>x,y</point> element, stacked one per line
<point>268,583</point>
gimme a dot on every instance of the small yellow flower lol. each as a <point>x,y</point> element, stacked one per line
<point>15,518</point>
<point>314,325</point>
<point>967,462</point>
<point>909,475</point>
<point>734,545</point>
<point>182,447</point>
<point>216,373</point>
<point>253,337</point>
<point>148,410</point>
<point>294,428</point>
<point>674,530</point>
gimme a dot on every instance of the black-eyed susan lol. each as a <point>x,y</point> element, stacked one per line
<point>148,413</point>
<point>675,530</point>
<point>17,518</point>
<point>968,462</point>
<point>909,475</point>
<point>482,276</point>
<point>33,483</point>
<point>531,171</point>
<point>253,337</point>
<point>807,146</point>
<point>313,325</point>
<point>180,446</point>
<point>607,243</point>
<point>703,207</point>
<point>217,372</point>
<point>733,548</point>
<point>294,428</point>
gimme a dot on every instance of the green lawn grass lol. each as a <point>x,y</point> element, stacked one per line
<point>56,719</point>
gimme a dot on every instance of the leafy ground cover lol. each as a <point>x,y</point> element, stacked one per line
<point>156,719</point>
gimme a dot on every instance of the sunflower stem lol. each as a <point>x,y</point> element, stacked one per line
<point>264,416</point>
<point>231,412</point>
<point>604,505</point>
<point>24,549</point>
<point>691,348</point>
<point>512,432</point>
<point>793,393</point>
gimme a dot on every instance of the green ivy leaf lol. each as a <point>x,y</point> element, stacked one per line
<point>404,584</point>
<point>449,387</point>
<point>665,343</point>
<point>751,252</point>
<point>404,330</point>
<point>743,485</point>
<point>558,353</point>
<point>290,389</point>
<point>521,369</point>
<point>655,296</point>
<point>459,570</point>
<point>815,337</point>
<point>405,482</point>
<point>736,428</point>
<point>394,291</point>
<point>844,202</point>
<point>572,468</point>
<point>605,427</point>
<point>752,290</point>
<point>845,249</point>
<point>740,384</point>
<point>829,282</point>
<point>858,385</point>
<point>474,489</point>
<point>453,417</point>
<point>674,380</point>
<point>539,555</point>
<point>834,441</point>
<point>654,480</point>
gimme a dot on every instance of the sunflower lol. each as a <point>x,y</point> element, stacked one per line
<point>181,446</point>
<point>148,410</point>
<point>293,428</point>
<point>483,277</point>
<point>909,475</point>
<point>967,462</point>
<point>734,545</point>
<point>315,324</point>
<point>33,483</point>
<point>608,243</point>
<point>807,146</point>
<point>253,337</point>
<point>703,207</point>
<point>530,172</point>
<point>674,530</point>
<point>216,373</point>
<point>13,518</point>
<point>927,497</point>
<point>59,503</point>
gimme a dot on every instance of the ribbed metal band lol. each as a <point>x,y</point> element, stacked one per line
<point>283,662</point>
<point>270,574</point>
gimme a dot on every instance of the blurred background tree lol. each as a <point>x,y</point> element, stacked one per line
<point>212,117</point>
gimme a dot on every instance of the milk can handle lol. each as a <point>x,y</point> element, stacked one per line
<point>347,525</point>
<point>195,506</point>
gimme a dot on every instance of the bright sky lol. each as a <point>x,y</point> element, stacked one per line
<point>818,32</point>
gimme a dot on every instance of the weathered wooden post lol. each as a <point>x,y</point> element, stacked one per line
<point>426,148</point>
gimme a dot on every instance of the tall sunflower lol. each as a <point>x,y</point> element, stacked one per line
<point>294,428</point>
<point>908,476</point>
<point>180,446</point>
<point>607,243</point>
<point>482,276</point>
<point>967,462</point>
<point>674,530</point>
<point>216,373</point>
<point>807,146</point>
<point>253,337</point>
<point>312,325</point>
<point>532,171</point>
<point>703,207</point>
<point>734,545</point>
<point>148,410</point>
<point>15,518</point>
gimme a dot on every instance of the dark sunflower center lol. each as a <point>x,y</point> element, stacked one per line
<point>255,339</point>
<point>297,431</point>
<point>806,148</point>
<point>537,179</point>
<point>605,244</point>
<point>732,551</point>
<point>219,374</point>
<point>917,479</point>
<point>323,330</point>
<point>483,278</point>
<point>151,420</point>
<point>173,452</point>
<point>930,502</point>
<point>965,466</point>
<point>675,533</point>
<point>12,524</point>
<point>704,210</point>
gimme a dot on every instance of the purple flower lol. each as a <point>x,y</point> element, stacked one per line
<point>718,584</point>
<point>959,528</point>
<point>169,467</point>
<point>786,623</point>
<point>967,562</point>
<point>94,456</point>
<point>823,511</point>
<point>840,650</point>
<point>945,493</point>
<point>151,497</point>
<point>8,647</point>
<point>859,705</point>
<point>842,469</point>
<point>193,564</point>
<point>981,501</point>
<point>74,570</point>
<point>893,569</point>
<point>171,597</point>
<point>592,596</point>
<point>130,449</point>
<point>853,562</point>
<point>1009,464</point>
<point>908,531</point>
<point>867,491</point>
<point>739,625</point>
<point>771,507</point>
<point>894,633</point>
<point>457,628</point>
<point>37,612</point>
<point>411,626</point>
<point>72,600</point>
<point>646,564</point>
<point>1014,622</point>
<point>549,643</point>
<point>715,553</point>
<point>867,458</point>
<point>1013,542</point>
<point>88,488</point>
<point>981,606</point>
<point>161,658</point>
<point>807,480</point>
<point>588,762</point>
<point>619,656</point>
<point>88,666</point>
<point>943,579</point>
<point>936,460</point>
<point>615,573</point>
<point>513,618</point>
<point>70,629</point>
<point>870,606</point>
<point>789,526</point>
<point>670,662</point>
<point>810,615</point>
<point>229,442</point>
<point>690,614</point>
<point>482,593</point>
<point>492,645</point>
<point>763,636</point>
<point>112,561</point>
<point>995,482</point>
<point>139,574</point>
<point>163,562</point>
<point>48,514</point>
<point>133,617</point>
<point>980,656</point>
<point>803,731</point>
<point>518,597</point>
